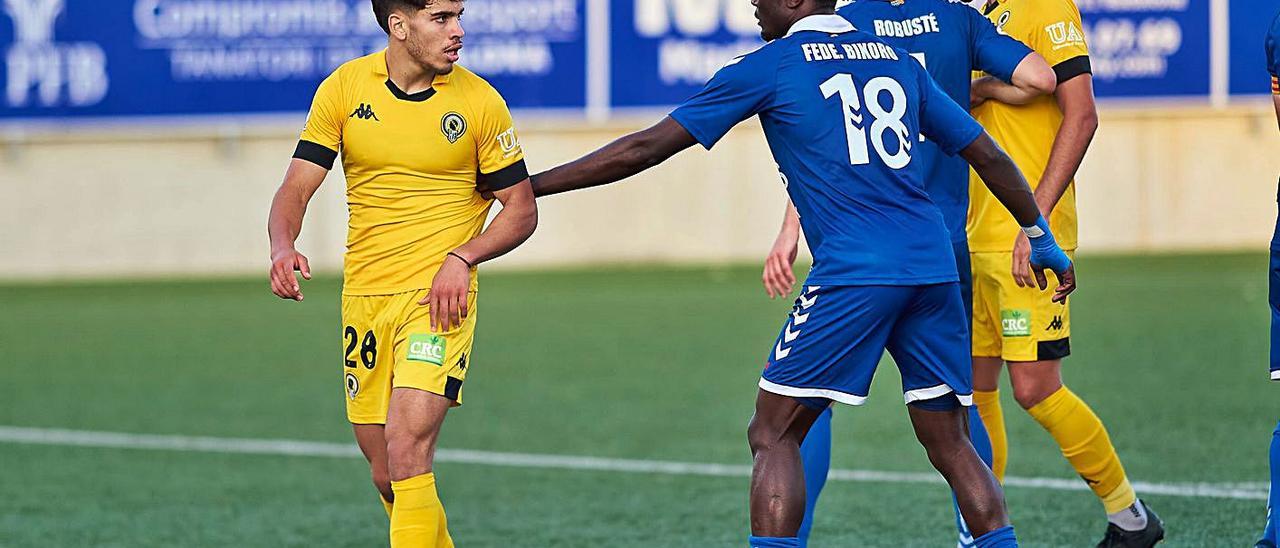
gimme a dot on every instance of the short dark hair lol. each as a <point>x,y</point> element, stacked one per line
<point>382,9</point>
<point>827,4</point>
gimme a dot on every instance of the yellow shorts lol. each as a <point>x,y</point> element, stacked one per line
<point>388,343</point>
<point>1017,324</point>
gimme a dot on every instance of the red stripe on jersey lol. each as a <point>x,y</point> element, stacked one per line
<point>1275,85</point>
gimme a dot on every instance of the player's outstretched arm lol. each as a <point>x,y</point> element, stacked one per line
<point>285,224</point>
<point>1006,182</point>
<point>510,227</point>
<point>779,266</point>
<point>1032,78</point>
<point>618,160</point>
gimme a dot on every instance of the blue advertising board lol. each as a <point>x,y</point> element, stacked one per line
<point>90,58</point>
<point>663,51</point>
<point>1148,48</point>
<point>1250,21</point>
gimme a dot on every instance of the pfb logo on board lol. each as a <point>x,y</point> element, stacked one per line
<point>45,73</point>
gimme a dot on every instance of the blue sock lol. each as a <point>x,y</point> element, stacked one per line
<point>815,452</point>
<point>773,542</point>
<point>982,444</point>
<point>1000,538</point>
<point>1272,532</point>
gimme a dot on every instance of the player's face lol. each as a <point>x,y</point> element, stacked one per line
<point>770,15</point>
<point>434,35</point>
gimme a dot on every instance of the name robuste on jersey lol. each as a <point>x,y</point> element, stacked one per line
<point>916,26</point>
<point>858,51</point>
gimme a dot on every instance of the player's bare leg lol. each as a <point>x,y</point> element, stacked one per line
<point>986,397</point>
<point>777,477</point>
<point>413,426</point>
<point>373,443</point>
<point>1038,388</point>
<point>945,437</point>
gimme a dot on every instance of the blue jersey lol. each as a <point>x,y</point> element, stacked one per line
<point>952,41</point>
<point>843,112</point>
<point>1273,52</point>
<point>1273,67</point>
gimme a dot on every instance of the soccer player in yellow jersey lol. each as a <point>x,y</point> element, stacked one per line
<point>418,137</point>
<point>1013,321</point>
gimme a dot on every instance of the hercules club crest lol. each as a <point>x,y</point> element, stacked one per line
<point>454,126</point>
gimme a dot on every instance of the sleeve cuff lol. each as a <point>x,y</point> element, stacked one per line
<point>1072,67</point>
<point>315,153</point>
<point>504,178</point>
<point>693,130</point>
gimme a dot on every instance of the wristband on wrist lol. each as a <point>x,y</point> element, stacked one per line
<point>461,258</point>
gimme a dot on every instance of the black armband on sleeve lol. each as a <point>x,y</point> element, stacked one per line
<point>503,178</point>
<point>316,153</point>
<point>1072,67</point>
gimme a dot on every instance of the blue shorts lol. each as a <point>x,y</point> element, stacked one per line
<point>1274,298</point>
<point>964,265</point>
<point>836,335</point>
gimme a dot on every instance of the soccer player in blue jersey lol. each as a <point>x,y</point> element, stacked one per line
<point>1271,535</point>
<point>951,41</point>
<point>842,113</point>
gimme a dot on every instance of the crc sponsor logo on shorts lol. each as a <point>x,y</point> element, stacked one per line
<point>1015,323</point>
<point>427,348</point>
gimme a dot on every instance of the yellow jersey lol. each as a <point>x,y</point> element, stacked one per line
<point>412,164</point>
<point>1053,29</point>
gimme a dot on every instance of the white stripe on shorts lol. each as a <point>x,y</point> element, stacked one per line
<point>849,399</point>
<point>936,392</point>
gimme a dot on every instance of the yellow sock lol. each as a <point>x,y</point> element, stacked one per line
<point>1085,443</point>
<point>386,505</point>
<point>993,418</point>
<point>417,517</point>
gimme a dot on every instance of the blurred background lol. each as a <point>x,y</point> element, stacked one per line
<point>141,142</point>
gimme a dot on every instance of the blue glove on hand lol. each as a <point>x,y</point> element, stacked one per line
<point>1044,249</point>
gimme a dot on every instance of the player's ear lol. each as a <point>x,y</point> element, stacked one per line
<point>397,25</point>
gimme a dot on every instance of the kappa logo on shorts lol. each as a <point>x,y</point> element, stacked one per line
<point>427,348</point>
<point>1055,325</point>
<point>1015,323</point>
<point>353,386</point>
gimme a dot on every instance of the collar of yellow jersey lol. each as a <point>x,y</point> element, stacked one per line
<point>380,69</point>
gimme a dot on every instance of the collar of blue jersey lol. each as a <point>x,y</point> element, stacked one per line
<point>828,23</point>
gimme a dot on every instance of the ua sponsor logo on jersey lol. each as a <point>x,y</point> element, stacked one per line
<point>1064,34</point>
<point>509,142</point>
<point>364,112</point>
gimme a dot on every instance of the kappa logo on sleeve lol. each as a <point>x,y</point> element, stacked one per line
<point>1015,323</point>
<point>427,348</point>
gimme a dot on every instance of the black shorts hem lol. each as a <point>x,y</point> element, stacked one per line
<point>1053,350</point>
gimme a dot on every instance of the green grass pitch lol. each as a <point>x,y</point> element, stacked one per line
<point>638,363</point>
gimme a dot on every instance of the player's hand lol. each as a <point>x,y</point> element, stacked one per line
<point>1066,282</point>
<point>447,299</point>
<point>1021,267</point>
<point>779,275</point>
<point>284,283</point>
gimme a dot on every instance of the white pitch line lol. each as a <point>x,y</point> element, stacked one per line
<point>115,440</point>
